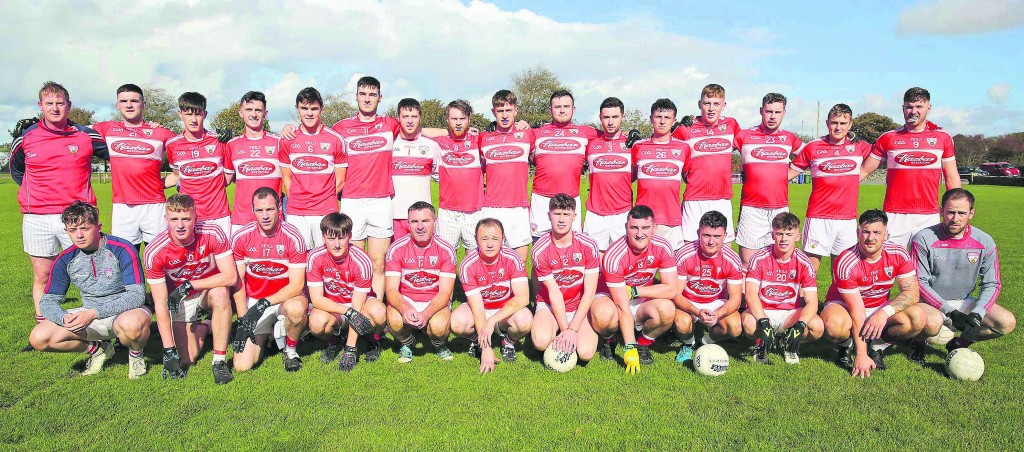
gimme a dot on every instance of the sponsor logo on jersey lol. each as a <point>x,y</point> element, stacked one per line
<point>932,141</point>
<point>505,153</point>
<point>495,293</point>
<point>704,287</point>
<point>367,143</point>
<point>770,154</point>
<point>73,149</point>
<point>837,166</point>
<point>639,279</point>
<point>778,294</point>
<point>713,145</point>
<point>210,148</point>
<point>310,163</point>
<point>198,169</point>
<point>406,167</point>
<point>609,162</point>
<point>267,270</point>
<point>455,159</point>
<point>256,168</point>
<point>567,277</point>
<point>132,147</point>
<point>916,158</point>
<point>421,279</point>
<point>560,145</point>
<point>659,169</point>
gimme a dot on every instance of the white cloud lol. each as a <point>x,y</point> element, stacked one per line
<point>1000,92</point>
<point>958,17</point>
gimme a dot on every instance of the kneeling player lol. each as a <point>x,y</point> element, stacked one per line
<point>339,277</point>
<point>776,276</point>
<point>189,269</point>
<point>420,277</point>
<point>108,274</point>
<point>497,293</point>
<point>858,312</point>
<point>712,286</point>
<point>271,259</point>
<point>568,265</point>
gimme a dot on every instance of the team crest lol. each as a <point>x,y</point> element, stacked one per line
<point>424,150</point>
<point>378,126</point>
<point>325,147</point>
<point>518,135</point>
<point>577,257</point>
<point>623,145</point>
<point>210,148</point>
<point>574,131</point>
<point>147,132</point>
<point>650,260</point>
<point>73,149</point>
<point>433,260</point>
<point>501,272</point>
<point>850,148</point>
<point>280,250</point>
<point>202,249</point>
<point>932,141</point>
<point>792,274</point>
<point>675,152</point>
<point>721,127</point>
<point>973,257</point>
<point>888,271</point>
<point>270,149</point>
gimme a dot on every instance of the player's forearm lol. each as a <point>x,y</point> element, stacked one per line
<point>558,311</point>
<point>685,305</point>
<point>869,166</point>
<point>221,279</point>
<point>133,297</point>
<point>663,290</point>
<point>583,309</point>
<point>754,306</point>
<point>163,318</point>
<point>907,298</point>
<point>810,308</point>
<point>292,290</point>
<point>731,305</point>
<point>626,327</point>
<point>49,306</point>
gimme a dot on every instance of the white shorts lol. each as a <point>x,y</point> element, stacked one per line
<point>515,220</point>
<point>605,229</point>
<point>44,235</point>
<point>965,306</point>
<point>693,210</point>
<point>709,306</point>
<point>868,312</point>
<point>539,221</point>
<point>778,317</point>
<point>266,323</point>
<point>103,329</point>
<point>634,306</point>
<point>420,306</point>
<point>371,217</point>
<point>191,309</point>
<point>458,227</point>
<point>754,230</point>
<point>309,228</point>
<point>546,307</point>
<point>224,223</point>
<point>138,223</point>
<point>673,234</point>
<point>903,226</point>
<point>823,236</point>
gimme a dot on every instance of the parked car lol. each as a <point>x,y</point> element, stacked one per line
<point>967,171</point>
<point>999,169</point>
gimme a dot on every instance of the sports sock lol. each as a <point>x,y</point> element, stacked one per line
<point>644,340</point>
<point>134,354</point>
<point>879,345</point>
<point>507,342</point>
<point>94,346</point>
<point>39,319</point>
<point>219,356</point>
<point>437,342</point>
<point>688,340</point>
<point>409,341</point>
<point>847,343</point>
<point>473,338</point>
<point>290,344</point>
<point>375,337</point>
<point>707,339</point>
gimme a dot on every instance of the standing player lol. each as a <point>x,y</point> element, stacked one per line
<point>506,152</point>
<point>858,312</point>
<point>711,277</point>
<point>559,152</point>
<point>497,296</point>
<point>660,161</point>
<point>313,168</point>
<point>765,151</point>
<point>778,275</point>
<point>835,161</point>
<point>918,156</point>
<point>568,266</point>
<point>254,156</point>
<point>51,162</point>
<point>189,269</point>
<point>412,164</point>
<point>637,304</point>
<point>136,157</point>
<point>271,259</point>
<point>107,272</point>
<point>611,178</point>
<point>460,179</point>
<point>709,165</point>
<point>201,163</point>
<point>420,281</point>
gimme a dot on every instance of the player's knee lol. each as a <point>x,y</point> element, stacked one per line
<point>683,322</point>
<point>836,325</point>
<point>664,312</point>
<point>375,311</point>
<point>586,351</point>
<point>521,322</point>
<point>461,325</point>
<point>294,309</point>
<point>1005,324</point>
<point>319,322</point>
<point>749,324</point>
<point>815,328</point>
<point>439,324</point>
<point>219,299</point>
<point>242,364</point>
<point>40,337</point>
<point>133,325</point>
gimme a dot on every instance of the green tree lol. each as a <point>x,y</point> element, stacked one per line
<point>161,108</point>
<point>533,88</point>
<point>635,119</point>
<point>433,114</point>
<point>869,126</point>
<point>229,119</point>
<point>82,116</point>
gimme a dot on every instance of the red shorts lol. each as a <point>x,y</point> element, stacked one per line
<point>401,227</point>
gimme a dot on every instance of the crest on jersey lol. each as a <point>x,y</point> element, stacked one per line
<point>280,250</point>
<point>424,150</point>
<point>721,127</point>
<point>650,260</point>
<point>325,147</point>
<point>888,271</point>
<point>210,148</point>
<point>202,249</point>
<point>577,257</point>
<point>850,148</point>
<point>433,260</point>
<point>501,272</point>
<point>270,149</point>
<point>675,152</point>
<point>378,126</point>
<point>574,131</point>
<point>792,274</point>
<point>73,149</point>
<point>147,132</point>
<point>518,135</point>
<point>973,257</point>
<point>932,141</point>
<point>623,145</point>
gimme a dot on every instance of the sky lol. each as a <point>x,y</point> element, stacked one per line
<point>966,52</point>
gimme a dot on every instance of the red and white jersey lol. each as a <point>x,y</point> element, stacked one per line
<point>507,159</point>
<point>611,176</point>
<point>412,163</point>
<point>559,153</point>
<point>312,160</point>
<point>201,166</point>
<point>766,166</point>
<point>257,164</point>
<point>369,153</point>
<point>460,173</point>
<point>55,167</point>
<point>852,273</point>
<point>706,278</point>
<point>353,273</point>
<point>172,264</point>
<point>567,266</point>
<point>914,161</point>
<point>709,166</point>
<point>420,269</point>
<point>268,259</point>
<point>136,157</point>
<point>624,267</point>
<point>835,176</point>
<point>493,281</point>
<point>781,281</point>
<point>659,177</point>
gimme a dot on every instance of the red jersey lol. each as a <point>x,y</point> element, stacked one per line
<point>611,176</point>
<point>780,281</point>
<point>412,163</point>
<point>766,166</point>
<point>201,165</point>
<point>624,267</point>
<point>420,269</point>
<point>268,259</point>
<point>369,153</point>
<point>567,266</point>
<point>507,158</point>
<point>709,166</point>
<point>256,165</point>
<point>172,264</point>
<point>851,273</point>
<point>914,161</point>
<point>340,279</point>
<point>54,167</point>
<point>136,157</point>
<point>493,282</point>
<point>705,278</point>
<point>659,176</point>
<point>559,153</point>
<point>313,159</point>
<point>460,181</point>
<point>835,176</point>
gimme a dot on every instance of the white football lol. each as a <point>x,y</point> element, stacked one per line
<point>558,361</point>
<point>711,360</point>
<point>965,364</point>
<point>945,335</point>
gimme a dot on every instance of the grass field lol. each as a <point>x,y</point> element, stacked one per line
<point>431,405</point>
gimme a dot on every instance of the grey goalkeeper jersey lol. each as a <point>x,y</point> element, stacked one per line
<point>950,269</point>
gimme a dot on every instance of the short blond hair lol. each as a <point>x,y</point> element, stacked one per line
<point>713,90</point>
<point>179,202</point>
<point>54,88</point>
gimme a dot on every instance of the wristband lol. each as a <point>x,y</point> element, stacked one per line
<point>889,310</point>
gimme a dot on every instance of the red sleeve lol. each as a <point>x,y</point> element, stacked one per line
<point>156,270</point>
<point>283,146</point>
<point>540,266</point>
<point>593,260</point>
<point>170,154</point>
<point>314,272</point>
<point>878,150</point>
<point>802,159</point>
<point>340,156</point>
<point>220,242</point>
<point>737,140</point>
<point>797,142</point>
<point>226,152</point>
<point>448,262</point>
<point>468,278</point>
<point>906,266</point>
<point>298,254</point>
<point>611,277</point>
<point>679,133</point>
<point>844,278</point>
<point>393,261</point>
<point>238,248</point>
<point>947,148</point>
<point>518,269</point>
<point>754,270</point>
<point>807,277</point>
